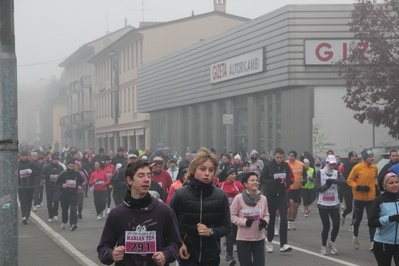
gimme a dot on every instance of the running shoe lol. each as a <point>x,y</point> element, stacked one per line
<point>289,227</point>
<point>306,214</point>
<point>323,250</point>
<point>55,218</point>
<point>293,226</point>
<point>24,220</point>
<point>108,210</point>
<point>372,246</point>
<point>342,220</point>
<point>50,220</point>
<point>356,243</point>
<point>269,247</point>
<point>351,228</point>
<point>99,217</point>
<point>34,209</point>
<point>73,227</point>
<point>332,247</point>
<point>63,226</point>
<point>103,213</point>
<point>286,248</point>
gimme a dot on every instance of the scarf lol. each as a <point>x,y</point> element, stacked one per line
<point>327,170</point>
<point>136,203</point>
<point>249,199</point>
<point>198,184</point>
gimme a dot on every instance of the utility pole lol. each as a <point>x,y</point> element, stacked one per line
<point>8,137</point>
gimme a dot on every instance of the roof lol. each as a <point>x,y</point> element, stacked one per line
<point>151,25</point>
<point>86,49</point>
<point>148,23</point>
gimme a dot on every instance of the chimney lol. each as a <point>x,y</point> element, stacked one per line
<point>220,5</point>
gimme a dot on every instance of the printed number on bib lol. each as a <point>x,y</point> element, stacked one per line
<point>71,183</point>
<point>140,242</point>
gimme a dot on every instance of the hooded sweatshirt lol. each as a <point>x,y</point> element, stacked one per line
<point>256,166</point>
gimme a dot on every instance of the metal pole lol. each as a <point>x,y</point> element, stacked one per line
<point>8,137</point>
<point>373,134</point>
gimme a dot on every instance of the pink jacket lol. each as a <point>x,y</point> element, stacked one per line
<point>237,217</point>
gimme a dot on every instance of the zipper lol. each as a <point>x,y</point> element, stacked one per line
<point>200,255</point>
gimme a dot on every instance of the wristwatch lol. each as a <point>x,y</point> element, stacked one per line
<point>211,231</point>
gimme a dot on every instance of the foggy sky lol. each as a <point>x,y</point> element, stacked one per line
<point>48,30</point>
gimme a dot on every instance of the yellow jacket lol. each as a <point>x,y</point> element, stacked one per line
<point>363,174</point>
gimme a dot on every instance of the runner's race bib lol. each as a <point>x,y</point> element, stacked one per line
<point>140,242</point>
<point>24,173</point>
<point>280,175</point>
<point>99,183</point>
<point>53,178</point>
<point>71,183</point>
<point>253,214</point>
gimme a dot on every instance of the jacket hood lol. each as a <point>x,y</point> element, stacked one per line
<point>254,152</point>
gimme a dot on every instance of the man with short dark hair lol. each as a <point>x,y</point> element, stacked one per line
<point>393,159</point>
<point>363,180</point>
<point>69,181</point>
<point>142,230</point>
<point>345,189</point>
<point>276,178</point>
<point>300,176</point>
<point>119,157</point>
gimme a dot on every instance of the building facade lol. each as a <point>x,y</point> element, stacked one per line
<point>78,125</point>
<point>268,83</point>
<point>118,121</point>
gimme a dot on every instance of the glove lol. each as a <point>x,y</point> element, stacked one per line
<point>311,179</point>
<point>304,182</point>
<point>377,191</point>
<point>329,182</point>
<point>262,224</point>
<point>248,222</point>
<point>289,182</point>
<point>363,188</point>
<point>29,171</point>
<point>392,218</point>
<point>277,181</point>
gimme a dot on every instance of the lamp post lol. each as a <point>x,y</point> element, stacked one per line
<point>8,137</point>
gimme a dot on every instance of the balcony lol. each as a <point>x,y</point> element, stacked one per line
<point>75,87</point>
<point>83,118</point>
<point>64,92</point>
<point>86,82</point>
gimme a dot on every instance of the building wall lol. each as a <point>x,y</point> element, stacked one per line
<point>59,110</point>
<point>289,105</point>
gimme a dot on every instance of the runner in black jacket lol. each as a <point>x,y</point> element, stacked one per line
<point>276,178</point>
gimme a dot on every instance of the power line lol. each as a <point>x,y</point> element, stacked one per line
<point>42,63</point>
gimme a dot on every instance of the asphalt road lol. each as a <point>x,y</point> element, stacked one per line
<point>305,240</point>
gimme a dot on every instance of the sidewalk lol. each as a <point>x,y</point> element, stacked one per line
<point>36,248</point>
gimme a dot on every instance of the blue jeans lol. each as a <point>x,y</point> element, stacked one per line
<point>190,262</point>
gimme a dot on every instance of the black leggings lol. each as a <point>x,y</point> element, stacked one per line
<point>307,196</point>
<point>384,253</point>
<point>359,207</point>
<point>325,215</point>
<point>348,204</point>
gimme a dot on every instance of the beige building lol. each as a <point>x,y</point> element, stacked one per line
<point>117,120</point>
<point>77,126</point>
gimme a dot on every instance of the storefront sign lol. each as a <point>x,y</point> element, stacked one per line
<point>329,51</point>
<point>239,66</point>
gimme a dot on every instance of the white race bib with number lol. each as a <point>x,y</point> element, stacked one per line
<point>140,242</point>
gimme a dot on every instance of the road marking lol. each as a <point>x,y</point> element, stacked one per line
<point>63,243</point>
<point>342,262</point>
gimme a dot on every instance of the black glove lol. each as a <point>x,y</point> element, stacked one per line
<point>262,224</point>
<point>329,182</point>
<point>289,182</point>
<point>392,218</point>
<point>311,179</point>
<point>277,181</point>
<point>248,222</point>
<point>304,182</point>
<point>363,188</point>
<point>377,191</point>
